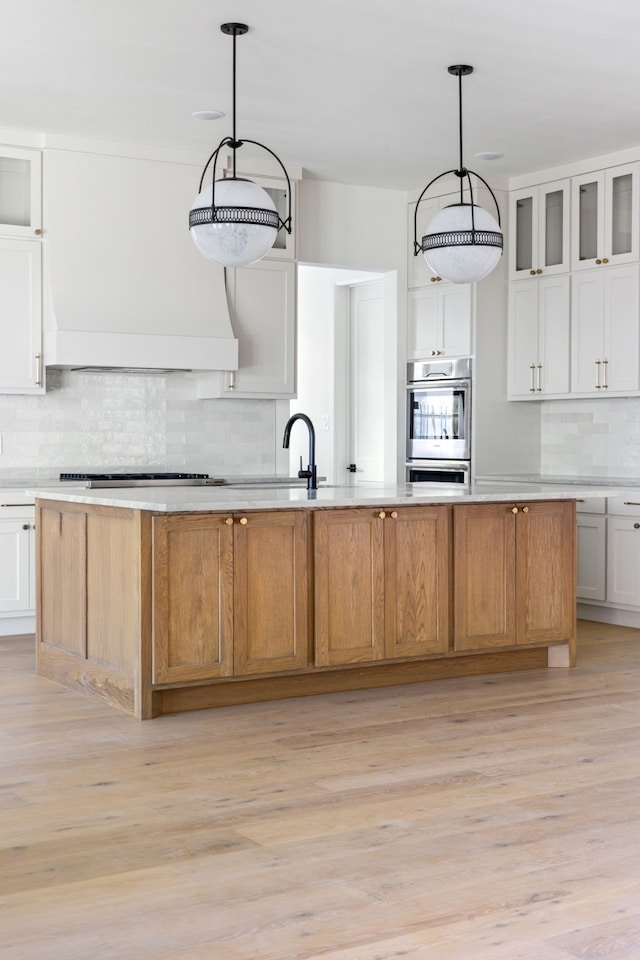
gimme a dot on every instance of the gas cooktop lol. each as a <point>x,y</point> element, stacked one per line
<point>146,479</point>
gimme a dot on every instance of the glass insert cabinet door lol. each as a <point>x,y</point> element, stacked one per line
<point>20,192</point>
<point>539,230</point>
<point>606,216</point>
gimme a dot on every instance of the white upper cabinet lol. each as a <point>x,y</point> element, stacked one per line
<point>539,324</point>
<point>605,221</point>
<point>440,321</point>
<point>262,304</point>
<point>539,230</point>
<point>20,193</point>
<point>605,331</point>
<point>21,367</point>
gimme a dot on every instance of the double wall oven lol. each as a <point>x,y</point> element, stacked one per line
<point>439,421</point>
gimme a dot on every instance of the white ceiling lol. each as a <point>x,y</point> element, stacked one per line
<point>355,91</point>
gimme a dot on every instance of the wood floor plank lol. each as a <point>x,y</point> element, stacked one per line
<point>488,818</point>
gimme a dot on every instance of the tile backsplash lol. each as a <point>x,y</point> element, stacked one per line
<point>598,438</point>
<point>123,421</point>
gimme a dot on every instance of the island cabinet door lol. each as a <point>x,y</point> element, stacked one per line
<point>546,571</point>
<point>272,627</point>
<point>192,597</point>
<point>62,576</point>
<point>417,575</point>
<point>349,586</point>
<point>484,576</point>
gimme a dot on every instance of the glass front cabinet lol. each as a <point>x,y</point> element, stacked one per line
<point>539,230</point>
<point>20,193</point>
<point>606,210</point>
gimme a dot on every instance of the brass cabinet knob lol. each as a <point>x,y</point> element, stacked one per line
<point>381,514</point>
<point>636,526</point>
<point>433,279</point>
<point>243,521</point>
<point>605,259</point>
<point>229,521</point>
<point>38,232</point>
<point>438,279</point>
<point>394,514</point>
<point>514,509</point>
<point>532,272</point>
<point>598,261</point>
<point>538,270</point>
<point>25,526</point>
<point>525,509</point>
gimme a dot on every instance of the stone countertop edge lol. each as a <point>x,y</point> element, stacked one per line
<point>213,499</point>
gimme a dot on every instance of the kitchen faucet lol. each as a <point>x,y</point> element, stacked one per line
<point>311,472</point>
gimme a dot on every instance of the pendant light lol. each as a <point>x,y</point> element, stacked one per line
<point>463,242</point>
<point>233,221</point>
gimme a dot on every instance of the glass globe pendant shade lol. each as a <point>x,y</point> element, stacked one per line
<point>241,229</point>
<point>455,251</point>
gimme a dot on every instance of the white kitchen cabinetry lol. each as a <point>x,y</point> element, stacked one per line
<point>539,230</point>
<point>418,271</point>
<point>17,558</point>
<point>623,555</point>
<point>439,321</point>
<point>605,217</point>
<point>591,536</point>
<point>539,325</point>
<point>20,193</point>
<point>262,304</point>
<point>604,331</point>
<point>21,368</point>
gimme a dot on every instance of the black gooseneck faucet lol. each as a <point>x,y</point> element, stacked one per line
<point>311,473</point>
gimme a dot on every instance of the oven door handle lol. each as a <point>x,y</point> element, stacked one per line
<point>443,384</point>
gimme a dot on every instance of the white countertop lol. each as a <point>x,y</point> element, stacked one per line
<point>190,499</point>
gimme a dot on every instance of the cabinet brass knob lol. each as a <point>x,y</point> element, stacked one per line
<point>382,515</point>
<point>636,526</point>
<point>25,526</point>
<point>38,232</point>
<point>598,261</point>
<point>605,259</point>
<point>532,272</point>
<point>229,521</point>
<point>433,279</point>
<point>394,514</point>
<point>525,509</point>
<point>514,509</point>
<point>538,270</point>
<point>244,521</point>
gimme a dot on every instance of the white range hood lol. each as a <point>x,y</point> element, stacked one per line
<point>124,285</point>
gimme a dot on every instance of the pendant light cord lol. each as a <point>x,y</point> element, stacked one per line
<point>235,140</point>
<point>461,170</point>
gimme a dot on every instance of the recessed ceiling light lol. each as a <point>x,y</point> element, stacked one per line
<point>208,114</point>
<point>488,155</point>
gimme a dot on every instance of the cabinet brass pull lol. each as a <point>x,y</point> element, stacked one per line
<point>381,515</point>
<point>598,387</point>
<point>229,521</point>
<point>525,509</point>
<point>243,521</point>
<point>514,509</point>
<point>394,514</point>
<point>605,384</point>
<point>38,380</point>
<point>532,373</point>
<point>636,526</point>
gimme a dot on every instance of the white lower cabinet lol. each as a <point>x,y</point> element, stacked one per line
<point>623,560</point>
<point>608,533</point>
<point>17,557</point>
<point>440,321</point>
<point>539,325</point>
<point>262,305</point>
<point>591,557</point>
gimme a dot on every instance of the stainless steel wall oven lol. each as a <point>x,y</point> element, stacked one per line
<point>439,420</point>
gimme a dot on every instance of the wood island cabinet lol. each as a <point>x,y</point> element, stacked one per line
<point>165,612</point>
<point>230,595</point>
<point>514,574</point>
<point>381,584</point>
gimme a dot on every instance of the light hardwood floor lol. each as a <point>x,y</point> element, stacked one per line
<point>493,818</point>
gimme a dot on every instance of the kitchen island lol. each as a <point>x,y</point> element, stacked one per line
<point>160,600</point>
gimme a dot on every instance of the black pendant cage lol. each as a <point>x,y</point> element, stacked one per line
<point>255,216</point>
<point>456,238</point>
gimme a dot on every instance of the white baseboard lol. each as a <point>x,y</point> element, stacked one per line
<point>614,615</point>
<point>14,626</point>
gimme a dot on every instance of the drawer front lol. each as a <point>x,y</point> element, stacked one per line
<point>591,505</point>
<point>628,506</point>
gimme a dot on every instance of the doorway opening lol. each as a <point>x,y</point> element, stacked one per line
<point>346,373</point>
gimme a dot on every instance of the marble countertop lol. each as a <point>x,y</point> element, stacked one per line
<point>256,497</point>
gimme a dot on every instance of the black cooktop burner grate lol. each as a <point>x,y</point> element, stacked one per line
<point>149,475</point>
